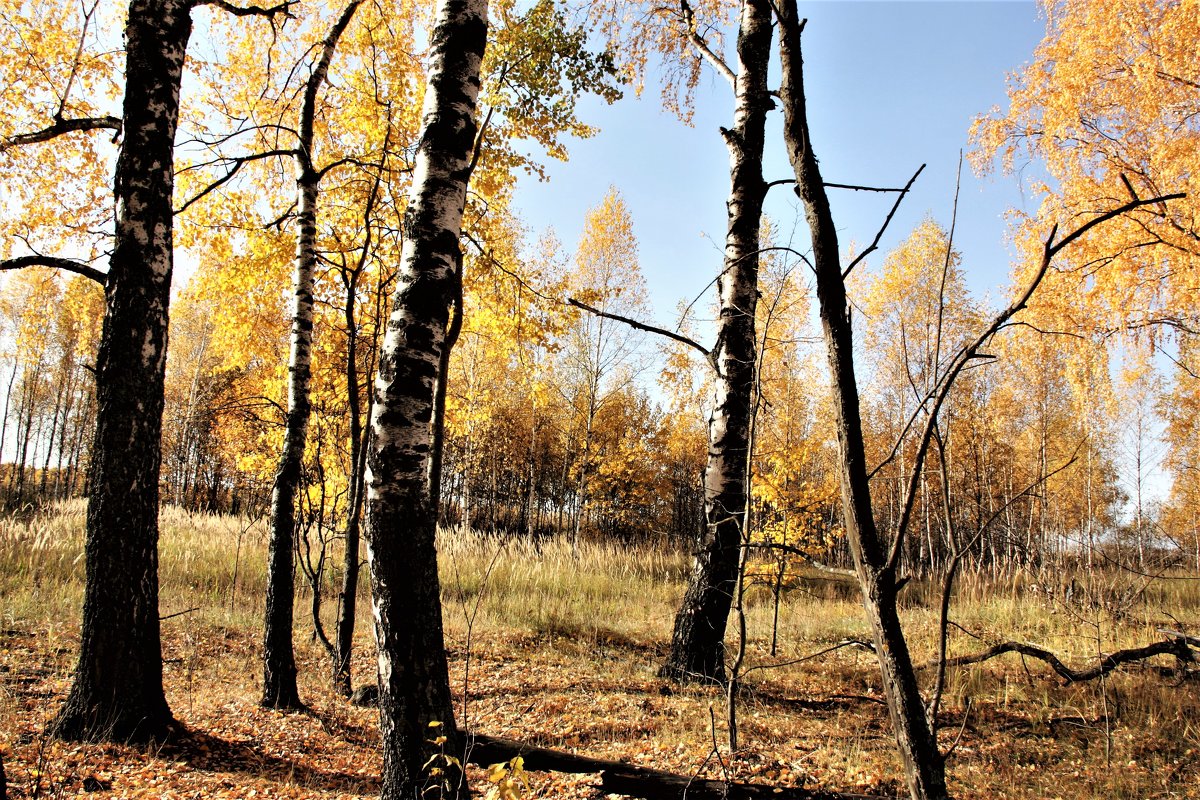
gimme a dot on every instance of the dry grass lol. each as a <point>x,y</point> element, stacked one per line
<point>563,651</point>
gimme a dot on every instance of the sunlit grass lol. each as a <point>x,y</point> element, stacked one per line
<point>553,619</point>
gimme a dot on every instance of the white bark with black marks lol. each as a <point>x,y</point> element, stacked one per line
<point>697,643</point>
<point>279,663</point>
<point>117,692</point>
<point>401,524</point>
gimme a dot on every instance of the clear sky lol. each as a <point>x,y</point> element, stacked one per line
<point>891,85</point>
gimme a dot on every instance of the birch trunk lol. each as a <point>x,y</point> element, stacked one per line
<point>279,662</point>
<point>923,763</point>
<point>117,690</point>
<point>698,640</point>
<point>413,677</point>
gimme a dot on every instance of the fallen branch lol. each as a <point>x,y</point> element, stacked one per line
<point>1177,646</point>
<point>1194,641</point>
<point>629,779</point>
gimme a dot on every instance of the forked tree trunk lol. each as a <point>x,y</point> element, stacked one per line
<point>923,763</point>
<point>698,640</point>
<point>413,677</point>
<point>117,691</point>
<point>279,661</point>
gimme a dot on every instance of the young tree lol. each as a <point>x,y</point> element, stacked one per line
<point>279,662</point>
<point>597,353</point>
<point>414,684</point>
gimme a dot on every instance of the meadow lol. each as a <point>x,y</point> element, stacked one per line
<point>562,652</point>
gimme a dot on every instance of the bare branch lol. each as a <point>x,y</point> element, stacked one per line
<point>65,264</point>
<point>701,44</point>
<point>238,163</point>
<point>284,8</point>
<point>641,326</point>
<point>971,351</point>
<point>887,221</point>
<point>856,188</point>
<point>62,126</point>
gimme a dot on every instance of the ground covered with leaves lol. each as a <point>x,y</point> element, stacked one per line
<point>597,695</point>
<point>561,650</point>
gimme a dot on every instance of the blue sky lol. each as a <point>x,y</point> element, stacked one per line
<point>891,85</point>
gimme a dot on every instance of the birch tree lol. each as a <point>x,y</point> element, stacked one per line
<point>415,707</point>
<point>279,662</point>
<point>697,640</point>
<point>117,691</point>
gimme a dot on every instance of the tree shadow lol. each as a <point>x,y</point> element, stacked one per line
<point>207,753</point>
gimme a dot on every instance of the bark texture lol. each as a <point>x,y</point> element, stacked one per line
<point>413,677</point>
<point>279,660</point>
<point>117,690</point>
<point>923,763</point>
<point>698,639</point>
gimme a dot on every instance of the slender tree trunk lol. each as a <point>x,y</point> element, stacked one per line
<point>698,639</point>
<point>348,596</point>
<point>923,763</point>
<point>413,676</point>
<point>279,662</point>
<point>7,398</point>
<point>117,691</point>
<point>439,399</point>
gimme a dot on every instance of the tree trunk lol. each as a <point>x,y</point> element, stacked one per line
<point>413,676</point>
<point>698,640</point>
<point>439,400</point>
<point>348,597</point>
<point>279,661</point>
<point>117,692</point>
<point>923,764</point>
<point>4,423</point>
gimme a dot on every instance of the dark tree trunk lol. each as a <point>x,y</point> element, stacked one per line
<point>117,693</point>
<point>698,640</point>
<point>348,596</point>
<point>279,661</point>
<point>923,763</point>
<point>439,398</point>
<point>413,676</point>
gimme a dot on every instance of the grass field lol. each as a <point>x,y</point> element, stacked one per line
<point>563,652</point>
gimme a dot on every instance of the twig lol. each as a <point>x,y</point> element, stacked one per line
<point>178,614</point>
<point>887,221</point>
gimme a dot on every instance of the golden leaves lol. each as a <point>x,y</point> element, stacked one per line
<point>1113,95</point>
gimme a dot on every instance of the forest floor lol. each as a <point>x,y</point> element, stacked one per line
<point>563,653</point>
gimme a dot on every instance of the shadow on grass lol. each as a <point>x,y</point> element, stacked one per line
<point>207,753</point>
